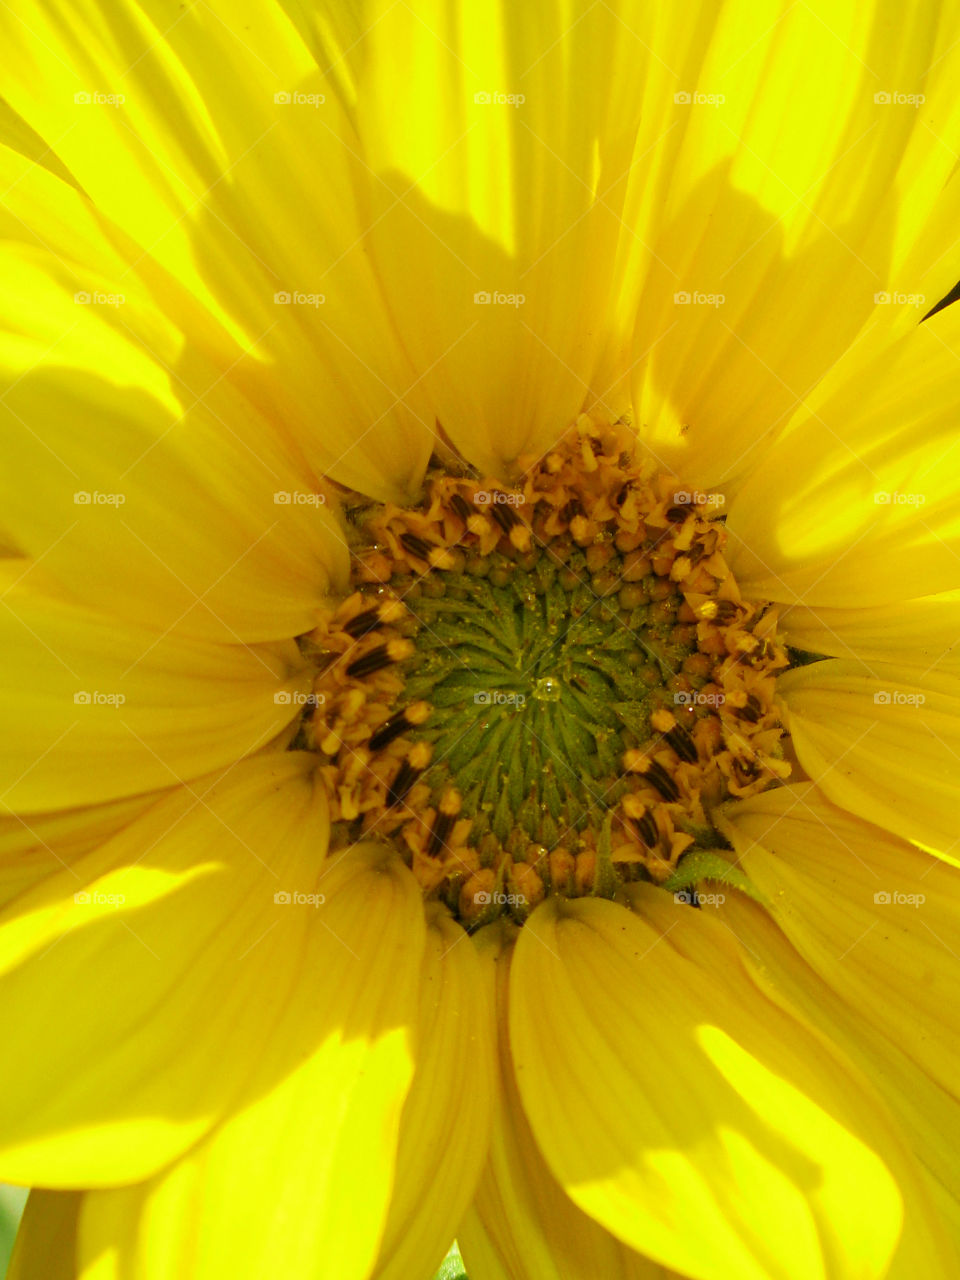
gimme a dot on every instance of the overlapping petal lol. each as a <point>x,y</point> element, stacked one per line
<point>321,1112</point>
<point>146,975</point>
<point>152,710</point>
<point>221,164</point>
<point>863,736</point>
<point>664,1091</point>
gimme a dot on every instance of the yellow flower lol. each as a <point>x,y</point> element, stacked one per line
<point>262,263</point>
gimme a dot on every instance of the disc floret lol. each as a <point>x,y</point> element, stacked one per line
<point>545,688</point>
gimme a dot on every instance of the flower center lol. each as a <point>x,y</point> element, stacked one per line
<point>543,689</point>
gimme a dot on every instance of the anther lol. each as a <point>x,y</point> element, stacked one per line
<point>461,507</point>
<point>363,623</point>
<point>504,515</point>
<point>679,513</point>
<point>382,656</point>
<point>682,743</point>
<point>658,777</point>
<point>398,724</point>
<point>416,546</point>
<point>753,709</point>
<point>447,812</point>
<point>409,771</point>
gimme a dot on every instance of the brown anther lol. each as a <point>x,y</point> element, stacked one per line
<point>443,822</point>
<point>461,507</point>
<point>679,513</point>
<point>415,546</point>
<point>410,769</point>
<point>374,660</point>
<point>752,710</point>
<point>363,623</point>
<point>503,514</point>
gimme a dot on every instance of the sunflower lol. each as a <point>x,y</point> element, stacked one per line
<point>480,553</point>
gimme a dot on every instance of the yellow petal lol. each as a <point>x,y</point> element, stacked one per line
<point>778,205</point>
<point>875,917</point>
<point>495,142</point>
<point>682,1110</point>
<point>927,1117</point>
<point>221,158</point>
<point>141,981</point>
<point>218,193</point>
<point>46,1240</point>
<point>38,845</point>
<point>912,632</point>
<point>883,745</point>
<point>150,710</point>
<point>448,1113</point>
<point>522,1225</point>
<point>298,1182</point>
<point>156,491</point>
<point>858,505</point>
